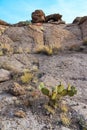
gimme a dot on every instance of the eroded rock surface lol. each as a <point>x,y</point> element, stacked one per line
<point>33,38</point>
<point>18,48</point>
<point>83,25</point>
<point>4,75</point>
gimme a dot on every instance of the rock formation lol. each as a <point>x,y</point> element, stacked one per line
<point>82,20</point>
<point>4,23</point>
<point>53,17</point>
<point>51,36</point>
<point>83,26</point>
<point>27,51</point>
<point>38,16</point>
<point>77,20</point>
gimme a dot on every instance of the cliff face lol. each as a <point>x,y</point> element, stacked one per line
<point>32,48</point>
<point>51,37</point>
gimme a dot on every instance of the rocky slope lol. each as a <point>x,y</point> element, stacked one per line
<point>49,53</point>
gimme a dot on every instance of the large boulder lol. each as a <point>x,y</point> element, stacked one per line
<point>76,20</point>
<point>47,36</point>
<point>82,20</point>
<point>53,17</point>
<point>83,26</point>
<point>38,16</point>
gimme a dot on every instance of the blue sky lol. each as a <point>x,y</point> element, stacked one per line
<point>14,11</point>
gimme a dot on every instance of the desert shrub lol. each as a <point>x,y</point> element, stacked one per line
<point>28,22</point>
<point>26,77</point>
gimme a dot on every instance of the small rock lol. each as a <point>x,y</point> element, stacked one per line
<point>84,107</point>
<point>26,102</point>
<point>65,128</point>
<point>4,75</point>
<point>16,89</point>
<point>35,68</point>
<point>20,114</point>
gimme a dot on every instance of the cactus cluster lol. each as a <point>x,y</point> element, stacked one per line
<point>55,100</point>
<point>57,93</point>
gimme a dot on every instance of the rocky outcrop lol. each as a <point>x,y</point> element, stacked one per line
<point>33,38</point>
<point>76,20</point>
<point>82,20</point>
<point>53,17</point>
<point>19,61</point>
<point>82,23</point>
<point>46,38</point>
<point>83,26</point>
<point>38,16</point>
<point>4,23</point>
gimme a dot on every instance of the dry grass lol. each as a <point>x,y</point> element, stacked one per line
<point>85,42</point>
<point>6,48</point>
<point>26,77</point>
<point>45,50</point>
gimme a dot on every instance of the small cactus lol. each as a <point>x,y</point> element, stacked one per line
<point>56,94</point>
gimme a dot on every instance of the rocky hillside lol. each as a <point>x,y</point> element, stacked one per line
<point>42,52</point>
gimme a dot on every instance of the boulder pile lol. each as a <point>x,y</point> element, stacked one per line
<point>38,16</point>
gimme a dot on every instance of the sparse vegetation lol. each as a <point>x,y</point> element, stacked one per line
<point>85,42</point>
<point>55,100</point>
<point>26,77</point>
<point>1,53</point>
<point>18,50</point>
<point>27,50</point>
<point>20,96</point>
<point>45,50</point>
<point>65,119</point>
<point>57,93</point>
<point>27,22</point>
<point>5,49</point>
